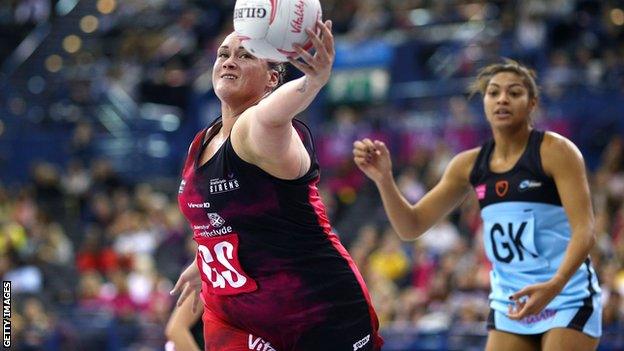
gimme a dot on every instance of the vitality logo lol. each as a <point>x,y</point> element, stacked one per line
<point>542,316</point>
<point>259,344</point>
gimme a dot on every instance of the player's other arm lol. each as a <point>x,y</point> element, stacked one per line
<point>563,161</point>
<point>445,196</point>
<point>178,329</point>
<point>411,221</point>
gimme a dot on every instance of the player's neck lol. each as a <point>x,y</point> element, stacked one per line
<point>231,111</point>
<point>229,116</point>
<point>227,122</point>
<point>511,142</point>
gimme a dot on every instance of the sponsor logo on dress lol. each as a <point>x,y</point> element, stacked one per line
<point>529,184</point>
<point>198,205</point>
<point>259,344</point>
<point>215,228</point>
<point>182,185</point>
<point>542,316</point>
<point>219,185</point>
<point>501,188</point>
<point>207,230</point>
<point>480,190</point>
<point>360,343</point>
<point>216,220</point>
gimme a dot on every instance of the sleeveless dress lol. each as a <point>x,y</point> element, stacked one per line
<point>526,233</point>
<point>272,269</point>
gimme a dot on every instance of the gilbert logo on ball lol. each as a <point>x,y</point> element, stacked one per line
<point>269,28</point>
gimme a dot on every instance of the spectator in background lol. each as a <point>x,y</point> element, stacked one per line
<point>81,145</point>
<point>47,190</point>
<point>32,11</point>
<point>39,329</point>
<point>389,261</point>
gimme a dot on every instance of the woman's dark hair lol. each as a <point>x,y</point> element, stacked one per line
<point>280,68</point>
<point>485,75</point>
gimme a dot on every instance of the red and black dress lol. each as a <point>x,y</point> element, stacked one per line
<point>275,276</point>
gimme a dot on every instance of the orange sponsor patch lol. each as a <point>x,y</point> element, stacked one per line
<point>501,188</point>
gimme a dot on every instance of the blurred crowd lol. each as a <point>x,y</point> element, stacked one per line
<point>92,255</point>
<point>92,258</point>
<point>162,51</point>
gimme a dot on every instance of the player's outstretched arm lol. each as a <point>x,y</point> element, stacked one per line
<point>563,161</point>
<point>411,221</point>
<point>265,131</point>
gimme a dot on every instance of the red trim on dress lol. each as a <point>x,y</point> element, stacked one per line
<point>319,208</point>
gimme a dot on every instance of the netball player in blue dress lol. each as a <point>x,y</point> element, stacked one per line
<point>538,224</point>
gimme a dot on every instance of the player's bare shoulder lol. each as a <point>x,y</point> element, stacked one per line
<point>557,152</point>
<point>461,165</point>
<point>556,142</point>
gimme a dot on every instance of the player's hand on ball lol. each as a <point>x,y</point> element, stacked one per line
<point>317,67</point>
<point>188,284</point>
<point>373,158</point>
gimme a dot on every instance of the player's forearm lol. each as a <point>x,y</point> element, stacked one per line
<point>287,101</point>
<point>398,209</point>
<point>578,249</point>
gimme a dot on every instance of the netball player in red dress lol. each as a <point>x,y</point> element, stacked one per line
<point>270,272</point>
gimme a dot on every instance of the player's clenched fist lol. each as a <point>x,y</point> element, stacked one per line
<point>373,158</point>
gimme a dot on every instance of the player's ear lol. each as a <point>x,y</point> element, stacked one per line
<point>273,78</point>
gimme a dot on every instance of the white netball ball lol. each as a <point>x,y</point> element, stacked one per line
<point>269,28</point>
